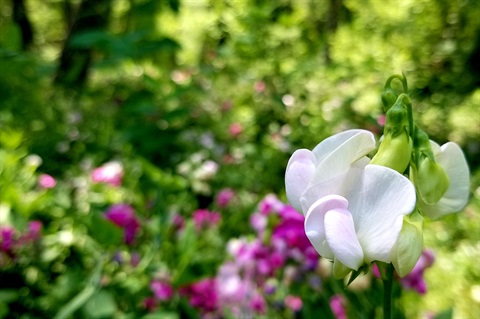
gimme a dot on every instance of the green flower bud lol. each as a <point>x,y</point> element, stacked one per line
<point>388,98</point>
<point>408,248</point>
<point>395,150</point>
<point>431,180</point>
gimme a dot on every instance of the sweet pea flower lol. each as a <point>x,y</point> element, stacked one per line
<point>7,238</point>
<point>109,173</point>
<point>163,291</point>
<point>450,157</point>
<point>46,181</point>
<point>224,197</point>
<point>353,210</point>
<point>124,216</point>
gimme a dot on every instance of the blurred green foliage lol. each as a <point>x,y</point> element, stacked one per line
<point>169,85</point>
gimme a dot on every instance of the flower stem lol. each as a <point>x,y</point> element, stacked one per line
<point>387,292</point>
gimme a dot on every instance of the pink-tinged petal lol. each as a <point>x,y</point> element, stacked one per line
<point>378,203</point>
<point>340,184</point>
<point>342,239</point>
<point>335,154</point>
<point>300,170</point>
<point>451,158</point>
<point>314,222</point>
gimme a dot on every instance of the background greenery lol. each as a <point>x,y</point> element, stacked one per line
<point>158,85</point>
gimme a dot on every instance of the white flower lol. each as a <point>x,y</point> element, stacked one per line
<point>353,210</point>
<point>450,157</point>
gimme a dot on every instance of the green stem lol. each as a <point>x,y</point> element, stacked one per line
<point>387,292</point>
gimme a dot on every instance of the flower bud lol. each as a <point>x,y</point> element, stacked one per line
<point>408,248</point>
<point>396,148</point>
<point>432,181</point>
<point>388,98</point>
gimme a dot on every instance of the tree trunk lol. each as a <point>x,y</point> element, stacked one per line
<point>74,62</point>
<point>20,17</point>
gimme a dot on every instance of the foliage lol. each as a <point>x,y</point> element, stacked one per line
<point>193,97</point>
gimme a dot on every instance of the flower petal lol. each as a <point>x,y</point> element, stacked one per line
<point>335,154</point>
<point>451,158</point>
<point>340,184</point>
<point>314,225</point>
<point>300,169</point>
<point>342,239</point>
<point>378,203</point>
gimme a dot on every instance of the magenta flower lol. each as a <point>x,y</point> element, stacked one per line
<point>33,231</point>
<point>202,295</point>
<point>224,197</point>
<point>46,181</point>
<point>6,238</point>
<point>109,173</point>
<point>204,218</point>
<point>163,291</point>
<point>414,280</point>
<point>123,216</point>
<point>291,228</point>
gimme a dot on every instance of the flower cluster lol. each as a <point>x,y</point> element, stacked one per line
<point>359,209</point>
<point>12,241</point>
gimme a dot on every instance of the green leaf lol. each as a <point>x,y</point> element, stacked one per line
<point>105,232</point>
<point>101,305</point>
<point>446,314</point>
<point>161,315</point>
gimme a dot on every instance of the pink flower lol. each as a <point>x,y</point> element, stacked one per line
<point>46,181</point>
<point>224,197</point>
<point>381,120</point>
<point>34,230</point>
<point>123,216</point>
<point>270,204</point>
<point>258,222</point>
<point>162,290</point>
<point>292,229</point>
<point>337,304</point>
<point>258,304</point>
<point>204,218</point>
<point>110,173</point>
<point>6,237</point>
<point>235,129</point>
<point>259,86</point>
<point>293,302</point>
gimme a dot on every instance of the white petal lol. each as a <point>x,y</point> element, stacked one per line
<point>342,239</point>
<point>378,203</point>
<point>300,169</point>
<point>314,225</point>
<point>451,158</point>
<point>340,184</point>
<point>335,154</point>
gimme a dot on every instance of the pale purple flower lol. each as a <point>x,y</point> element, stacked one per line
<point>258,303</point>
<point>270,204</point>
<point>109,173</point>
<point>124,216</point>
<point>162,290</point>
<point>259,222</point>
<point>46,181</point>
<point>224,197</point>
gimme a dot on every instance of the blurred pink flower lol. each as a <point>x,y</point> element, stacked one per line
<point>110,173</point>
<point>33,231</point>
<point>202,295</point>
<point>224,197</point>
<point>259,86</point>
<point>46,181</point>
<point>163,291</point>
<point>258,304</point>
<point>381,120</point>
<point>414,280</point>
<point>123,216</point>
<point>293,302</point>
<point>337,304</point>
<point>258,222</point>
<point>6,238</point>
<point>204,218</point>
<point>235,129</point>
